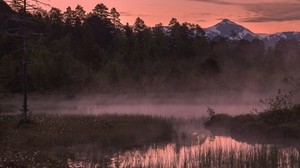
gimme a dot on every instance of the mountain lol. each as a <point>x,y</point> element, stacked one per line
<point>273,39</point>
<point>231,30</point>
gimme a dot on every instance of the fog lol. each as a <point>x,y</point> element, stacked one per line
<point>176,105</point>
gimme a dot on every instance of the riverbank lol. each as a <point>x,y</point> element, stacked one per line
<point>273,126</point>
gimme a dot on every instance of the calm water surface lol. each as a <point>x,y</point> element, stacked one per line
<point>217,151</point>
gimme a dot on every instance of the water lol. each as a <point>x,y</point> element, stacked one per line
<point>217,151</point>
<point>194,146</point>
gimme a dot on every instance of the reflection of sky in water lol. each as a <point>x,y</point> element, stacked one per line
<point>218,151</point>
<point>172,154</point>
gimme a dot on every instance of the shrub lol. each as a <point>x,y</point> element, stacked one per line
<point>283,100</point>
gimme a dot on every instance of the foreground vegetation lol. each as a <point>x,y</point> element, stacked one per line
<point>50,140</point>
<point>261,156</point>
<point>137,141</point>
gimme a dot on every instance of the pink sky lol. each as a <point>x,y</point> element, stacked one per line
<point>260,16</point>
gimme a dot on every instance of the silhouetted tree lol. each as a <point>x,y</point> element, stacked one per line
<point>115,19</point>
<point>101,11</point>
<point>79,15</point>
<point>69,17</point>
<point>139,25</point>
<point>55,15</point>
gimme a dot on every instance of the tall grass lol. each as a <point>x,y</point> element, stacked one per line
<point>263,156</point>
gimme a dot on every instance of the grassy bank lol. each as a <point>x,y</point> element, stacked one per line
<point>272,125</point>
<point>49,140</point>
<point>199,156</point>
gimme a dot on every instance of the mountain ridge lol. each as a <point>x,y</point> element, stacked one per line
<point>233,31</point>
<point>228,29</point>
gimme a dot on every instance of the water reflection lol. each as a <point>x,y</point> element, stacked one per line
<point>218,151</point>
<point>173,155</point>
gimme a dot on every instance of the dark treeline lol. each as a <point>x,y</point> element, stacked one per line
<point>80,51</point>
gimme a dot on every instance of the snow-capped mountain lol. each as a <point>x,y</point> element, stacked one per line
<point>231,30</point>
<point>272,40</point>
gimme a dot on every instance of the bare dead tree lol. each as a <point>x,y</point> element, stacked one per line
<point>23,32</point>
<point>26,5</point>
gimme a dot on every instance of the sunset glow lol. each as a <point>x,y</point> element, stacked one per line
<point>260,16</point>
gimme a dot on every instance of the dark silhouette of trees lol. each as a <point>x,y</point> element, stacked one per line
<point>69,18</point>
<point>115,19</point>
<point>94,50</point>
<point>101,11</point>
<point>55,16</point>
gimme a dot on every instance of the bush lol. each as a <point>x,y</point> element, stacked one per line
<point>275,124</point>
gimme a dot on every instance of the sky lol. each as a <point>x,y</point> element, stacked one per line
<point>260,16</point>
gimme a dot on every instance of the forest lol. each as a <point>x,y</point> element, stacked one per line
<point>74,51</point>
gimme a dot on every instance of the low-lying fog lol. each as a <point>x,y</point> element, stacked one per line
<point>182,105</point>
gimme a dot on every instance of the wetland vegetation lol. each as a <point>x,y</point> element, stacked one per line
<point>278,122</point>
<point>94,54</point>
<point>270,125</point>
<point>114,140</point>
<point>49,140</point>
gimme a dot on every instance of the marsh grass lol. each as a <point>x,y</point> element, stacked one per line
<point>128,141</point>
<point>264,156</point>
<point>50,140</point>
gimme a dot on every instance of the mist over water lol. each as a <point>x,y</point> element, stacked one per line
<point>180,105</point>
<point>193,145</point>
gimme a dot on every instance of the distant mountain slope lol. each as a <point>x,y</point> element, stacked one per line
<point>273,39</point>
<point>231,30</point>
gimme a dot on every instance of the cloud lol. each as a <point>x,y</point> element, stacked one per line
<point>198,14</point>
<point>201,20</point>
<point>242,3</point>
<point>219,2</point>
<point>264,10</point>
<point>126,14</point>
<point>129,14</point>
<point>269,12</point>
